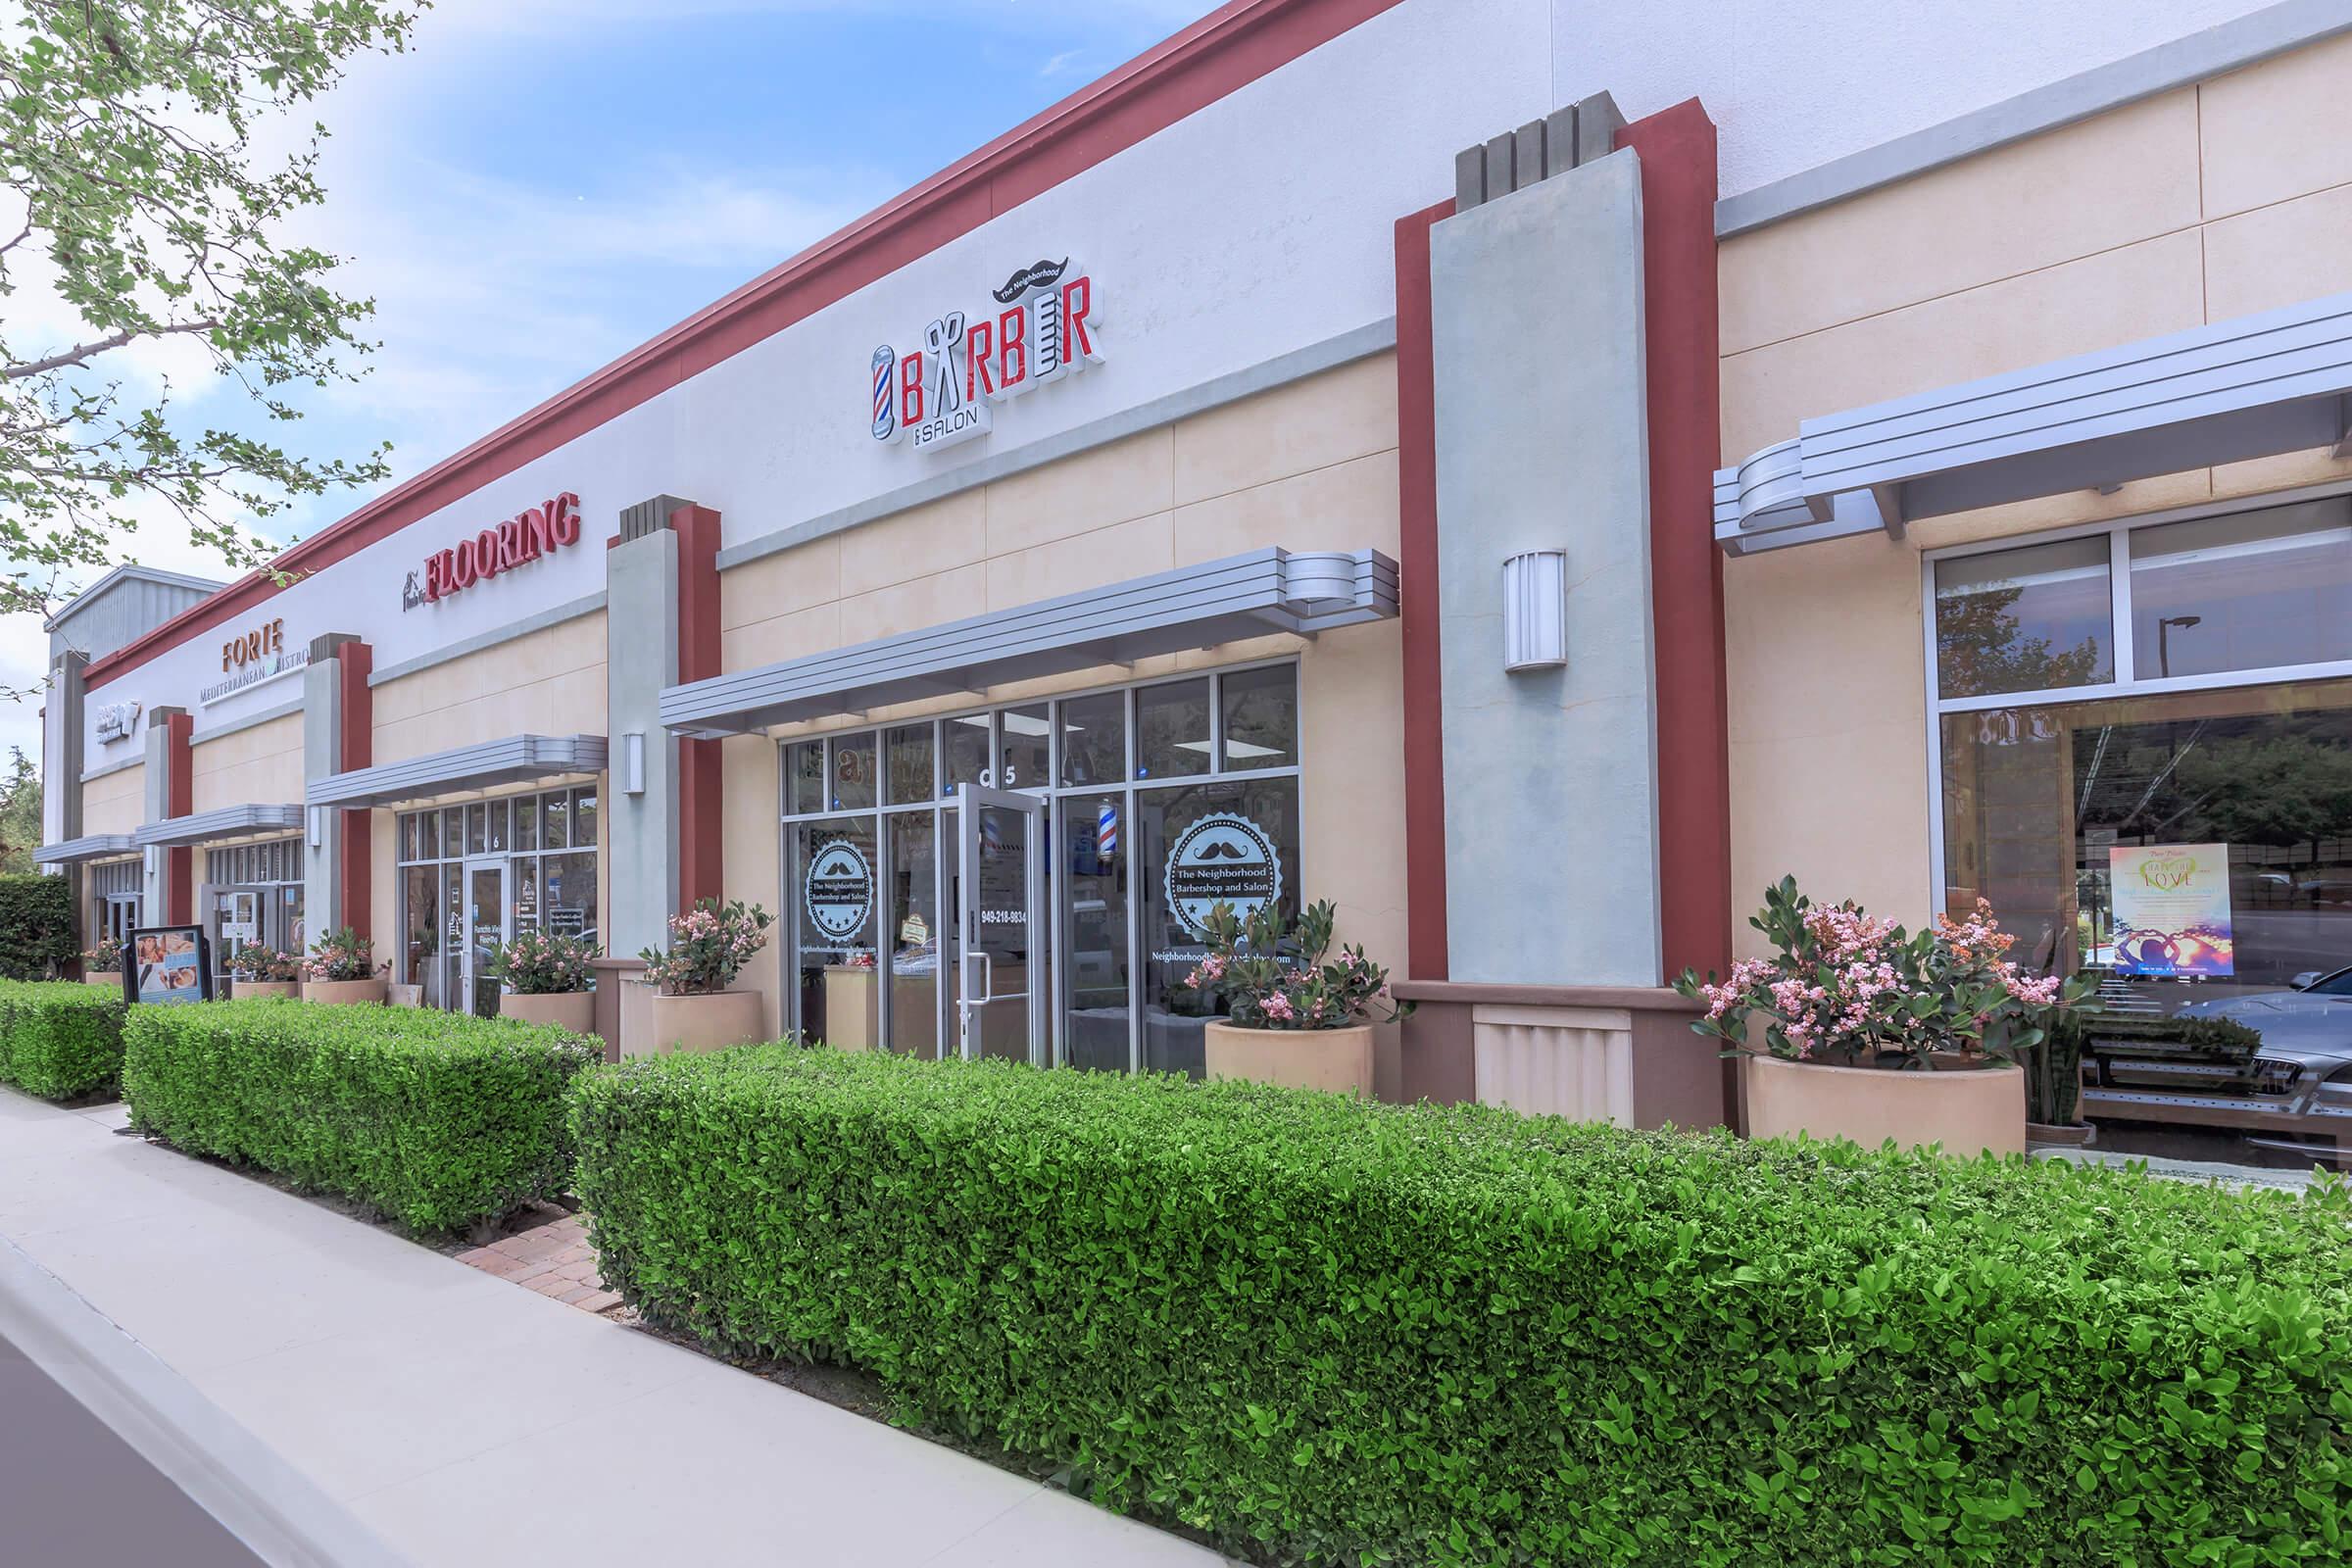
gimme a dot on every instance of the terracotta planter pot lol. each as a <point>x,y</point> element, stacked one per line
<point>1966,1110</point>
<point>710,1022</point>
<point>574,1011</point>
<point>1338,1060</point>
<point>343,991</point>
<point>400,996</point>
<point>113,982</point>
<point>243,989</point>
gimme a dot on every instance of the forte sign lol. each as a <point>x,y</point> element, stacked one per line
<point>943,392</point>
<point>537,531</point>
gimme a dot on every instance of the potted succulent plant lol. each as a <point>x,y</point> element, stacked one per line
<point>548,978</point>
<point>101,964</point>
<point>258,971</point>
<point>1295,1017</point>
<point>342,968</point>
<point>1856,1028</point>
<point>692,1008</point>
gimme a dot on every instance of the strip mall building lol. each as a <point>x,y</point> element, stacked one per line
<point>1530,478</point>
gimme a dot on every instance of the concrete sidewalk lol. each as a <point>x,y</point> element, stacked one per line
<point>383,1391</point>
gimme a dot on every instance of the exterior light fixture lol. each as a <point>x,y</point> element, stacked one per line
<point>632,764</point>
<point>317,827</point>
<point>1535,610</point>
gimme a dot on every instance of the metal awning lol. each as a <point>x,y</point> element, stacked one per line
<point>211,827</point>
<point>2253,388</point>
<point>516,759</point>
<point>1192,607</point>
<point>89,847</point>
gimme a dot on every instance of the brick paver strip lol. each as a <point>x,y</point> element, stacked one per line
<point>554,1259</point>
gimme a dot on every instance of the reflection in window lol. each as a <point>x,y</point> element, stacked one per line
<point>1027,750</point>
<point>1172,730</point>
<point>833,898</point>
<point>909,763</point>
<point>852,771</point>
<point>966,741</point>
<point>1094,739</point>
<point>1261,718</point>
<point>2253,590</point>
<point>1185,860</point>
<point>1093,881</point>
<point>2251,789</point>
<point>2018,620</point>
<point>914,932</point>
<point>805,776</point>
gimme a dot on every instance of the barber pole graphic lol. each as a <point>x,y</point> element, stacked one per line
<point>886,394</point>
<point>943,392</point>
<point>1107,831</point>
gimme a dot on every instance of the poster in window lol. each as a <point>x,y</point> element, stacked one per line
<point>172,964</point>
<point>2172,910</point>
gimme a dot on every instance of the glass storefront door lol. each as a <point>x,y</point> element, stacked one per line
<point>1002,949</point>
<point>486,909</point>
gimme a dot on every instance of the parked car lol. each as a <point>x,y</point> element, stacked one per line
<point>2294,1093</point>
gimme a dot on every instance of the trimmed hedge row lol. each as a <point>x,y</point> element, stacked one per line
<point>37,926</point>
<point>1342,1333</point>
<point>59,1040</point>
<point>438,1121</point>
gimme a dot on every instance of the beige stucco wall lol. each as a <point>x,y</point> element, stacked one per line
<point>548,682</point>
<point>1308,467</point>
<point>257,766</point>
<point>2206,203</point>
<point>117,802</point>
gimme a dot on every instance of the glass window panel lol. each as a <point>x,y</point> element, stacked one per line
<point>1195,846</point>
<point>1018,946</point>
<point>852,771</point>
<point>2251,591</point>
<point>453,833</point>
<point>408,837</point>
<point>1094,882</point>
<point>2025,619</point>
<point>583,818</point>
<point>1261,718</point>
<point>477,828</point>
<point>1025,760</point>
<point>914,916</point>
<point>453,931</point>
<point>1172,730</point>
<point>965,739</point>
<point>833,926</point>
<point>522,890</point>
<point>2201,836</point>
<point>420,944</point>
<point>567,894</point>
<point>498,827</point>
<point>910,767</point>
<point>804,778</point>
<point>554,821</point>
<point>526,822</point>
<point>1094,739</point>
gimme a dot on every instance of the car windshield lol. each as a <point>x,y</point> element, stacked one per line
<point>2338,984</point>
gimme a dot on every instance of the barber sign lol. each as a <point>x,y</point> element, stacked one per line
<point>1043,326</point>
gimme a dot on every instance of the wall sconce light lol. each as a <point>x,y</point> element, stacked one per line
<point>317,826</point>
<point>1535,610</point>
<point>632,763</point>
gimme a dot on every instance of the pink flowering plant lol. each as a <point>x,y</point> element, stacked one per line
<point>1847,989</point>
<point>105,957</point>
<point>543,963</point>
<point>254,963</point>
<point>1278,979</point>
<point>709,946</point>
<point>342,955</point>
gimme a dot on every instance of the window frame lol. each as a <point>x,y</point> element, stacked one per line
<point>1054,795</point>
<point>2118,532</point>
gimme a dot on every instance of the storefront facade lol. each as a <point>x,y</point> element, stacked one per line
<point>1139,513</point>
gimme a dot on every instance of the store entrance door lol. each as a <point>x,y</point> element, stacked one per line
<point>487,910</point>
<point>1003,942</point>
<point>237,917</point>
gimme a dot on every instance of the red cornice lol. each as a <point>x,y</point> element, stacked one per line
<point>1228,49</point>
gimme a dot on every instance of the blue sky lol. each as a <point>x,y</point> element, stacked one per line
<point>540,185</point>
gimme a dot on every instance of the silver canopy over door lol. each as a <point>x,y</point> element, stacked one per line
<point>1004,936</point>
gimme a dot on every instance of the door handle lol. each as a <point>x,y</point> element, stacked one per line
<point>987,963</point>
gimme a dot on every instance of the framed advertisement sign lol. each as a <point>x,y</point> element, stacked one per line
<point>168,965</point>
<point>2172,910</point>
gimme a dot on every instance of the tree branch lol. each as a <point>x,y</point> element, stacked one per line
<point>82,353</point>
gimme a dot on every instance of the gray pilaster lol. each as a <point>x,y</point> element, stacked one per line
<point>158,780</point>
<point>1551,843</point>
<point>63,730</point>
<point>641,831</point>
<point>321,758</point>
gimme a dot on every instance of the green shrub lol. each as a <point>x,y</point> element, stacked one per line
<point>36,927</point>
<point>1342,1333</point>
<point>61,1039</point>
<point>438,1121</point>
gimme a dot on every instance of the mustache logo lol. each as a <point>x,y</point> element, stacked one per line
<point>1037,275</point>
<point>1221,851</point>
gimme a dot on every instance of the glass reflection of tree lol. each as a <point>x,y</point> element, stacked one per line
<point>2281,782</point>
<point>1980,646</point>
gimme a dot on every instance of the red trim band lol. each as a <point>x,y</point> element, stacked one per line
<point>1417,585</point>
